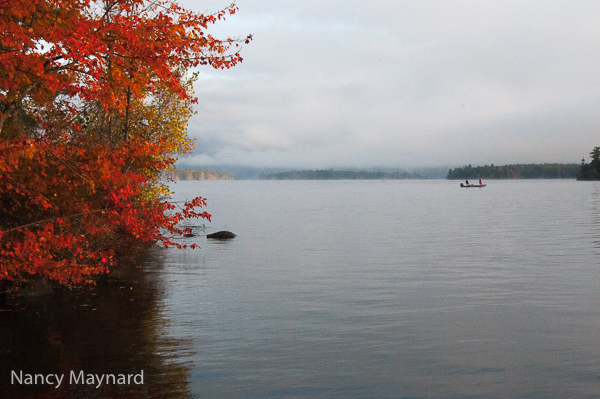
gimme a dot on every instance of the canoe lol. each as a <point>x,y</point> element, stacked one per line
<point>472,185</point>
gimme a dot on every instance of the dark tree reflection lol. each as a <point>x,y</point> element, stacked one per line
<point>113,328</point>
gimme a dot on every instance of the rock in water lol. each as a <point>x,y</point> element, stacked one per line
<point>221,235</point>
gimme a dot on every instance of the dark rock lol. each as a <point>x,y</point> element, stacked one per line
<point>189,235</point>
<point>33,289</point>
<point>221,235</point>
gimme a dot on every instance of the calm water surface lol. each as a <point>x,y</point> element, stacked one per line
<point>342,289</point>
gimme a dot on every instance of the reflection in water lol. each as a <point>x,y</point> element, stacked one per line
<point>594,205</point>
<point>112,328</point>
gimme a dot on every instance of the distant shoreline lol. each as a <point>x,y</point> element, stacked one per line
<point>331,174</point>
<point>491,172</point>
<point>192,174</point>
<point>517,171</point>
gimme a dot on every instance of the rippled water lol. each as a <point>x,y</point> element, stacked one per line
<point>356,289</point>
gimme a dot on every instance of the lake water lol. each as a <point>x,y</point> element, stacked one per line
<point>341,289</point>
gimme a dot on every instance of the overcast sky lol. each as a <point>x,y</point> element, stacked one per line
<point>342,83</point>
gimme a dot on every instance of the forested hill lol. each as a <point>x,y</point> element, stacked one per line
<point>338,175</point>
<point>518,171</point>
<point>191,174</point>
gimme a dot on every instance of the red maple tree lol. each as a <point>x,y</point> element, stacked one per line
<point>80,160</point>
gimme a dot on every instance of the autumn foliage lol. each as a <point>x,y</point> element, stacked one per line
<point>94,99</point>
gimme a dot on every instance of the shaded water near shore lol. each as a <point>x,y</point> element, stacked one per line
<point>115,327</point>
<point>341,289</point>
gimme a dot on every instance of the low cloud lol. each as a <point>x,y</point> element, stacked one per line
<point>402,84</point>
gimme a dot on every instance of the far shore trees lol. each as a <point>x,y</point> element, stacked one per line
<point>94,100</point>
<point>518,171</point>
<point>590,171</point>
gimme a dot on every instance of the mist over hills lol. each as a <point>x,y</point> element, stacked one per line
<point>240,172</point>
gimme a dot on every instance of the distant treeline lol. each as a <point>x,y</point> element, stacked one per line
<point>518,171</point>
<point>191,174</point>
<point>338,175</point>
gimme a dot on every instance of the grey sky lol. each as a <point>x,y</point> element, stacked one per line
<point>334,83</point>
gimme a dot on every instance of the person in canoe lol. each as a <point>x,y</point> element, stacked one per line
<point>480,182</point>
<point>467,182</point>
